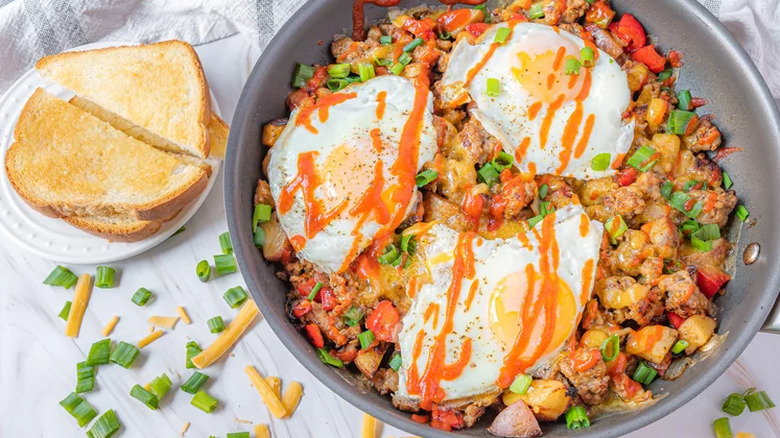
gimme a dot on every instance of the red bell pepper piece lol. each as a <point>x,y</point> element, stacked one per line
<point>675,319</point>
<point>445,419</point>
<point>710,280</point>
<point>615,29</point>
<point>627,176</point>
<point>421,418</point>
<point>648,56</point>
<point>631,28</point>
<point>383,321</point>
<point>675,59</point>
<point>301,308</point>
<point>600,14</point>
<point>315,335</point>
<point>328,299</point>
<point>477,29</point>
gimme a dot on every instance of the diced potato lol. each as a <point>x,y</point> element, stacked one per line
<point>516,420</point>
<point>275,240</point>
<point>668,145</point>
<point>547,399</point>
<point>697,330</point>
<point>637,76</point>
<point>271,132</point>
<point>593,338</point>
<point>367,361</point>
<point>593,191</point>
<point>440,209</point>
<point>620,292</point>
<point>651,343</point>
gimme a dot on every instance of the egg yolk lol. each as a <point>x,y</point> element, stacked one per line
<point>347,173</point>
<point>543,75</point>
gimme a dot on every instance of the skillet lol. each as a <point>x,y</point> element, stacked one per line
<point>716,67</point>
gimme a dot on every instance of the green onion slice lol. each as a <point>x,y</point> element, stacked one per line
<point>666,189</point>
<point>339,71</point>
<point>204,270</point>
<point>425,177</point>
<point>105,426</point>
<point>193,384</point>
<point>397,68</point>
<point>386,39</point>
<point>690,226</point>
<point>315,290</point>
<point>488,174</point>
<point>616,227</point>
<point>722,427</point>
<point>389,255</point>
<point>545,209</point>
<point>366,72</point>
<point>702,238</point>
<point>679,121</point>
<point>502,161</point>
<point>99,353</point>
<point>408,245</point>
<point>521,384</point>
<point>302,75</point>
<point>758,401</point>
<point>141,296</point>
<point>535,220</point>
<point>644,373</point>
<point>366,338</point>
<point>587,57</point>
<point>502,34</point>
<point>610,348</point>
<point>680,201</point>
<point>193,349</point>
<point>204,402</point>
<point>543,191</point>
<point>328,359</point>
<point>417,42</point>
<point>225,243</point>
<point>353,316</point>
<point>572,66</point>
<point>643,159</point>
<point>145,397</point>
<point>61,276</point>
<point>225,264</point>
<point>601,162</point>
<point>262,213</point>
<point>238,435</point>
<point>85,377</point>
<point>734,404</point>
<point>124,354</point>
<point>65,310</point>
<point>679,346</point>
<point>259,237</point>
<point>684,100</point>
<point>337,84</point>
<point>405,59</point>
<point>536,11</point>
<point>690,185</point>
<point>395,361</point>
<point>216,324</point>
<point>577,418</point>
<point>727,182</point>
<point>160,386</point>
<point>666,74</point>
<point>235,296</point>
<point>492,87</point>
<point>104,278</point>
<point>78,408</point>
<point>742,213</point>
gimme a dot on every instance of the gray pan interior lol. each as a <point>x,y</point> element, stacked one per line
<point>716,67</point>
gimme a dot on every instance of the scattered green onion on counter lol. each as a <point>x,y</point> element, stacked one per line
<point>225,243</point>
<point>722,427</point>
<point>216,324</point>
<point>521,384</point>
<point>734,404</point>
<point>193,349</point>
<point>757,400</point>
<point>145,397</point>
<point>235,296</point>
<point>204,402</point>
<point>104,278</point>
<point>124,354</point>
<point>238,435</point>
<point>193,384</point>
<point>105,426</point>
<point>65,310</point>
<point>225,264</point>
<point>141,297</point>
<point>61,276</point>
<point>78,408</point>
<point>99,353</point>
<point>160,385</point>
<point>85,377</point>
<point>203,270</point>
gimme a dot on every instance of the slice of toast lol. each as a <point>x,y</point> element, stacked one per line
<point>66,162</point>
<point>158,92</point>
<point>116,227</point>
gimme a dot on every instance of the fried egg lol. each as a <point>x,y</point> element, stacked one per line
<point>343,170</point>
<point>550,121</point>
<point>494,308</point>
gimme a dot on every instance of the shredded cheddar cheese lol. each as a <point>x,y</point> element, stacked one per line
<point>369,427</point>
<point>228,337</point>
<point>79,306</point>
<point>276,384</point>
<point>184,428</point>
<point>292,396</point>
<point>261,431</point>
<point>168,322</point>
<point>266,393</point>
<point>148,339</point>
<point>110,326</point>
<point>183,315</point>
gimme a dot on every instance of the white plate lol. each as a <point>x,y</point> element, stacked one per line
<point>54,239</point>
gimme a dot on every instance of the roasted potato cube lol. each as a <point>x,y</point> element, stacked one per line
<point>367,361</point>
<point>275,240</point>
<point>271,131</point>
<point>668,145</point>
<point>593,338</point>
<point>697,330</point>
<point>651,343</point>
<point>546,398</point>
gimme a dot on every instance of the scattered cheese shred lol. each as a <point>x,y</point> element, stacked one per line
<point>183,315</point>
<point>148,386</point>
<point>168,322</point>
<point>292,396</point>
<point>267,394</point>
<point>261,431</point>
<point>369,427</point>
<point>110,326</point>
<point>242,421</point>
<point>276,384</point>
<point>148,339</point>
<point>228,337</point>
<point>79,306</point>
<point>184,428</point>
<point>745,435</point>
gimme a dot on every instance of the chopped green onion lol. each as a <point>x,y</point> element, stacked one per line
<point>643,159</point>
<point>488,174</point>
<point>397,69</point>
<point>535,220</point>
<point>366,338</point>
<point>493,87</point>
<point>353,316</point>
<point>521,384</point>
<point>141,296</point>
<point>444,35</point>
<point>193,349</point>
<point>339,71</point>
<point>587,57</point>
<point>302,75</point>
<point>99,353</point>
<point>610,348</point>
<point>315,290</point>
<point>544,208</point>
<point>666,74</point>
<point>722,427</point>
<point>327,359</point>
<point>536,11</point>
<point>61,276</point>
<point>702,238</point>
<point>395,362</point>
<point>425,177</point>
<point>502,161</point>
<point>644,373</point>
<point>235,296</point>
<point>78,408</point>
<point>679,346</point>
<point>386,39</point>
<point>145,397</point>
<point>179,231</point>
<point>85,377</point>
<point>216,324</point>
<point>601,162</point>
<point>417,42</point>
<point>679,200</point>
<point>225,243</point>
<point>405,59</point>
<point>259,237</point>
<point>572,66</point>
<point>124,354</point>
<point>679,121</point>
<point>160,386</point>
<point>758,401</point>
<point>105,426</point>
<point>383,61</point>
<point>204,402</point>
<point>742,213</point>
<point>262,213</point>
<point>408,244</point>
<point>502,33</point>
<point>389,255</point>
<point>734,404</point>
<point>193,384</point>
<point>614,229</point>
<point>690,226</point>
<point>204,269</point>
<point>337,84</point>
<point>690,185</point>
<point>666,189</point>
<point>366,72</point>
<point>65,310</point>
<point>577,418</point>
<point>104,278</point>
<point>543,191</point>
<point>684,100</point>
<point>238,435</point>
<point>225,264</point>
<point>727,182</point>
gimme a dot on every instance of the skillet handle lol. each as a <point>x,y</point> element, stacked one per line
<point>772,323</point>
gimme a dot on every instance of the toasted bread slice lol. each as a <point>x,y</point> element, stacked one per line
<point>156,91</point>
<point>116,228</point>
<point>66,162</point>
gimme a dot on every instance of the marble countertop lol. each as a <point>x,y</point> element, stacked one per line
<point>37,362</point>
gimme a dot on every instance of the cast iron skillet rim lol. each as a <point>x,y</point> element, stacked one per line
<point>305,353</point>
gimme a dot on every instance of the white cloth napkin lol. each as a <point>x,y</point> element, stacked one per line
<point>30,29</point>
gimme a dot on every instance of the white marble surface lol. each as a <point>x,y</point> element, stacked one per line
<point>37,363</point>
